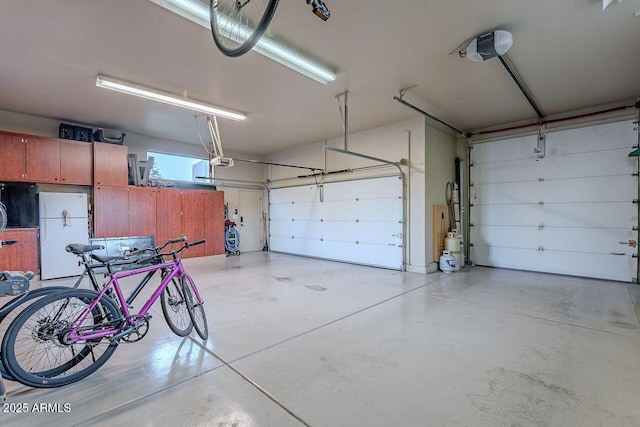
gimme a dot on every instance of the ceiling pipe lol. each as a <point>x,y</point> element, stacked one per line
<point>413,107</point>
<point>521,86</point>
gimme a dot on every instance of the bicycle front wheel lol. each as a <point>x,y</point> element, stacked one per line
<point>175,310</point>
<point>196,309</point>
<point>237,26</point>
<point>10,310</point>
<point>34,348</point>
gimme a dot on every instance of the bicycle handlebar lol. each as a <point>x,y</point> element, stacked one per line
<point>199,242</point>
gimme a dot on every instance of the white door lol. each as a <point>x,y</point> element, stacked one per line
<point>569,212</point>
<point>249,220</point>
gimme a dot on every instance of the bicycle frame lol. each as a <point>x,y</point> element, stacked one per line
<point>174,267</point>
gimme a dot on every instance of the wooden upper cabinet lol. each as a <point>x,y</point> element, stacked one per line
<point>76,162</point>
<point>12,157</point>
<point>110,165</point>
<point>37,159</point>
<point>42,160</point>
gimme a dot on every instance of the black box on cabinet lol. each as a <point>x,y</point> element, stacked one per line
<point>77,133</point>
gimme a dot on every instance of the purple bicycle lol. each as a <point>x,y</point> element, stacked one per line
<point>64,337</point>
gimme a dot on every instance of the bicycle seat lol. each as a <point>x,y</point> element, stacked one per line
<point>79,248</point>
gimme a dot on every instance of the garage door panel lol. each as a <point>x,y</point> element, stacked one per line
<point>342,231</point>
<point>523,214</point>
<point>505,151</point>
<point>507,236</point>
<point>507,193</point>
<point>610,267</point>
<point>499,172</point>
<point>589,190</point>
<point>592,240</point>
<point>598,163</point>
<point>592,138</point>
<point>379,233</point>
<point>623,214</point>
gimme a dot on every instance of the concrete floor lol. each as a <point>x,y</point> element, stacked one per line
<point>296,341</point>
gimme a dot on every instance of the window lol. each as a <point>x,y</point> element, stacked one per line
<point>178,168</point>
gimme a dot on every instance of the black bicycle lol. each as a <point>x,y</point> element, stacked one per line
<point>237,25</point>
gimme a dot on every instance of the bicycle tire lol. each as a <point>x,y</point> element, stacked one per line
<point>236,29</point>
<point>196,311</point>
<point>10,310</point>
<point>175,310</point>
<point>33,340</point>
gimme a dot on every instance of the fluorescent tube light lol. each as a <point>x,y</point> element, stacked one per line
<point>197,12</point>
<point>166,98</point>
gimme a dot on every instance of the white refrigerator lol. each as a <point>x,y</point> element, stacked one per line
<point>63,220</point>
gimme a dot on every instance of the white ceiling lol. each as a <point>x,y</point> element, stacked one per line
<point>569,53</point>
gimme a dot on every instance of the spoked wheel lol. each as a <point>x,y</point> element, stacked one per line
<point>35,350</point>
<point>196,309</point>
<point>175,310</point>
<point>10,310</point>
<point>237,25</point>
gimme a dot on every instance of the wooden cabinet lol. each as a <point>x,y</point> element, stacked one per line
<point>12,157</point>
<point>110,165</point>
<point>142,211</point>
<point>42,160</point>
<point>76,162</point>
<point>23,255</point>
<point>110,211</point>
<point>168,214</point>
<point>36,159</point>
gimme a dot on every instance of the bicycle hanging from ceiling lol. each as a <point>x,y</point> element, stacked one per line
<point>237,25</point>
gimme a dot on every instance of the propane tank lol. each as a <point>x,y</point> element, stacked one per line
<point>447,262</point>
<point>451,243</point>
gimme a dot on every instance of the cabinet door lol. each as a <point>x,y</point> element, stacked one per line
<point>193,220</point>
<point>43,160</point>
<point>12,157</point>
<point>23,255</point>
<point>110,165</point>
<point>168,215</point>
<point>111,211</point>
<point>76,162</point>
<point>214,222</point>
<point>142,211</point>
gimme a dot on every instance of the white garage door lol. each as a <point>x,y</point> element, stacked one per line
<point>570,212</point>
<point>358,221</point>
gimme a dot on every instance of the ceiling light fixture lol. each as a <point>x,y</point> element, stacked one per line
<point>166,98</point>
<point>197,12</point>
